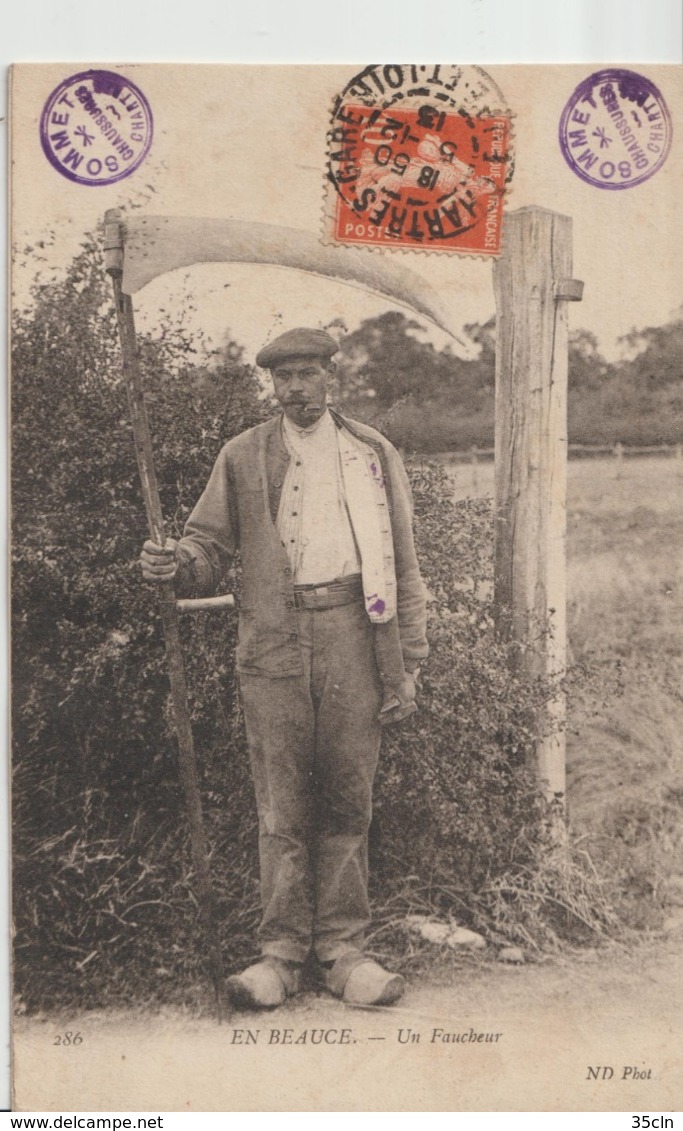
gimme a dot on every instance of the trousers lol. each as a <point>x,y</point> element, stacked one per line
<point>314,745</point>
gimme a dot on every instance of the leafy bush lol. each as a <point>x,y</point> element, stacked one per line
<point>104,909</point>
<point>100,863</point>
<point>462,827</point>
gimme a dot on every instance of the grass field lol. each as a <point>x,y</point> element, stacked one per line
<point>625,622</point>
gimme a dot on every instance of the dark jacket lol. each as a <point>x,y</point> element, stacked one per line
<point>238,511</point>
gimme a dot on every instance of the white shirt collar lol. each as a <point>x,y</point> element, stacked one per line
<point>321,425</point>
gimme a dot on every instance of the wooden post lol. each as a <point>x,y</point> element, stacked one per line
<point>532,282</point>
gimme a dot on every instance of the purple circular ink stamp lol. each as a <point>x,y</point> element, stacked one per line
<point>615,131</point>
<point>96,128</point>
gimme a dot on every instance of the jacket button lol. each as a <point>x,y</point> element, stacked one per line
<point>290,604</point>
<point>293,636</point>
<point>287,569</point>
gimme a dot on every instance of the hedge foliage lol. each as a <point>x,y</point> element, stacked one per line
<point>104,909</point>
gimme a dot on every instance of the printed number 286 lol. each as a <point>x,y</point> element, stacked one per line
<point>68,1038</point>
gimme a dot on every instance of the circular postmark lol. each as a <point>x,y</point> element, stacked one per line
<point>96,128</point>
<point>615,131</point>
<point>419,157</point>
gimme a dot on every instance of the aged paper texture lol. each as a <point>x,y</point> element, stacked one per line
<point>234,204</point>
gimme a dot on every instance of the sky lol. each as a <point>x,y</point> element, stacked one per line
<point>249,143</point>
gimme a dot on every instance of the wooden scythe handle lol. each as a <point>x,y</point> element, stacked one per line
<point>114,251</point>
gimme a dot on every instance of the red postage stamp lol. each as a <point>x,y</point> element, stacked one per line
<point>420,158</point>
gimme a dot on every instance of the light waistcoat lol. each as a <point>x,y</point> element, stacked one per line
<point>333,517</point>
<point>313,520</point>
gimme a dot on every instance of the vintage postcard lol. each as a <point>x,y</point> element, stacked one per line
<point>347,463</point>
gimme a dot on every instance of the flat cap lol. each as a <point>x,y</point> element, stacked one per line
<point>297,343</point>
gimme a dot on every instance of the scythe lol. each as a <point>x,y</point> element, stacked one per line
<point>136,252</point>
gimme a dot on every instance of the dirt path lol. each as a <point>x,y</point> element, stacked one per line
<point>480,1037</point>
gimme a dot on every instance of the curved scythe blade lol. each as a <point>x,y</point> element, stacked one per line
<point>157,244</point>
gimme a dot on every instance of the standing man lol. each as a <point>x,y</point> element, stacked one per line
<point>331,633</point>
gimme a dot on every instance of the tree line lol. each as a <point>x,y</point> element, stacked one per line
<point>429,400</point>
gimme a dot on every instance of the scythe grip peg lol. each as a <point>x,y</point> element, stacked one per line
<point>193,604</point>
